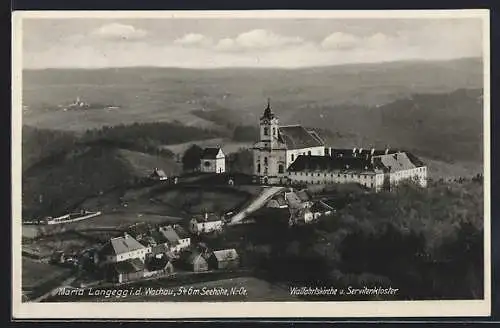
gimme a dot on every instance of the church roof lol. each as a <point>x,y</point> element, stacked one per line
<point>297,137</point>
<point>210,153</point>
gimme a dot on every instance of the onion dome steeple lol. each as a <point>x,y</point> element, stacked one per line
<point>268,113</point>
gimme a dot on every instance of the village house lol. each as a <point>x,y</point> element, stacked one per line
<point>375,170</point>
<point>296,199</point>
<point>300,215</point>
<point>159,265</point>
<point>124,271</point>
<point>224,259</point>
<point>206,223</point>
<point>158,175</point>
<point>175,242</point>
<point>213,160</point>
<point>123,248</point>
<point>278,201</point>
<point>194,261</point>
<point>320,208</point>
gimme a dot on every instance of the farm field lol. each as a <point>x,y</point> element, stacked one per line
<point>36,273</point>
<point>195,200</point>
<point>65,241</point>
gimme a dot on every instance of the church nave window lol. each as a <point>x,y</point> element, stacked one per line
<point>292,157</point>
<point>258,168</point>
<point>280,168</point>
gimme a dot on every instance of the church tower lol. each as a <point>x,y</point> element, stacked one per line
<point>269,152</point>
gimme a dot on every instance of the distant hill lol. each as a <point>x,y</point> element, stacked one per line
<point>446,126</point>
<point>167,94</point>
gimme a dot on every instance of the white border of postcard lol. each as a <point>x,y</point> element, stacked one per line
<point>169,310</point>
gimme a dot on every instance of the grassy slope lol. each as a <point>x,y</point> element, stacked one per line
<point>71,177</point>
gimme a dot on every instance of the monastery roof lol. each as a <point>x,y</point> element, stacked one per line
<point>397,161</point>
<point>297,137</point>
<point>210,153</point>
<point>328,163</point>
<point>360,152</point>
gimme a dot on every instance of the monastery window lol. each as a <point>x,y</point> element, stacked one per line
<point>258,168</point>
<point>266,131</point>
<point>338,175</point>
<point>332,175</point>
<point>265,160</point>
<point>306,174</point>
<point>274,131</point>
<point>318,174</point>
<point>309,153</point>
<point>280,168</point>
<point>352,175</point>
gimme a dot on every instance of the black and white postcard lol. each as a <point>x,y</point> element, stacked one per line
<point>229,164</point>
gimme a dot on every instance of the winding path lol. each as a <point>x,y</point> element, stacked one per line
<point>257,203</point>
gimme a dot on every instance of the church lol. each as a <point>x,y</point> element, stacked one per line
<point>295,155</point>
<point>279,146</point>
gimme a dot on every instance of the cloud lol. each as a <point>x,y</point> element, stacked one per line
<point>258,39</point>
<point>116,31</point>
<point>339,41</point>
<point>252,48</point>
<point>346,41</point>
<point>193,39</point>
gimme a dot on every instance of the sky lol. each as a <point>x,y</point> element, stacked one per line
<point>244,42</point>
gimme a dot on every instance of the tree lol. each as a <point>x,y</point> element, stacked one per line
<point>192,158</point>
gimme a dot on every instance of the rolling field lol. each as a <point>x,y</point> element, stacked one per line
<point>194,200</point>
